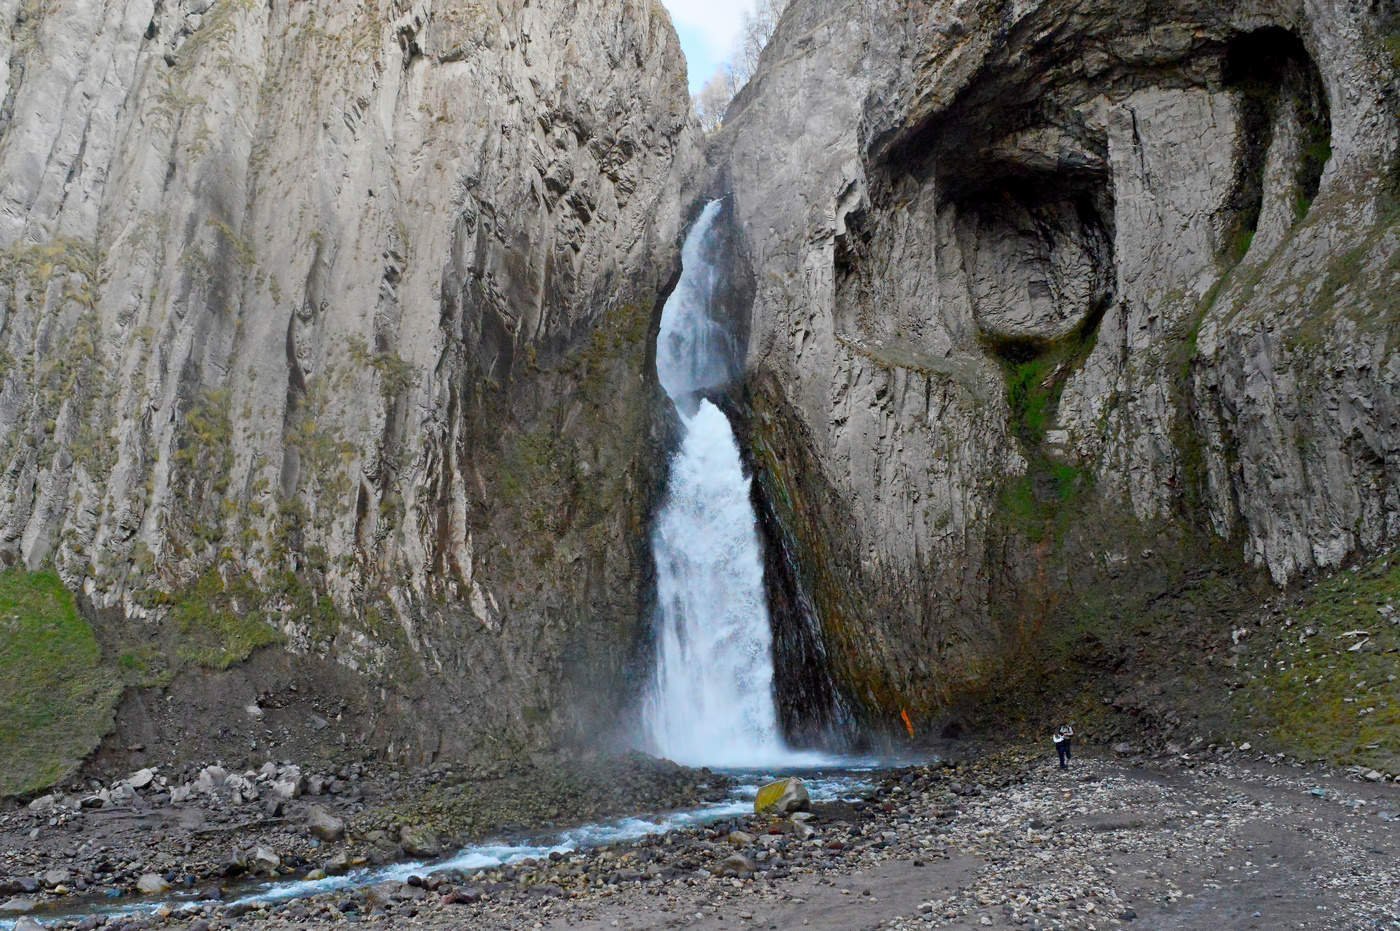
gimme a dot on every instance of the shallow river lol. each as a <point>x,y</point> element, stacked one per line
<point>824,785</point>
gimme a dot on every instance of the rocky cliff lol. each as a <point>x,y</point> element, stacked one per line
<point>325,326</point>
<point>325,348</point>
<point>1060,309</point>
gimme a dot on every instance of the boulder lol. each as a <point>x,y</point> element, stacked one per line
<point>210,778</point>
<point>324,825</point>
<point>419,842</point>
<point>28,924</point>
<point>241,788</point>
<point>799,829</point>
<point>782,797</point>
<point>736,865</point>
<point>266,859</point>
<point>141,778</point>
<point>287,787</point>
<point>16,906</point>
<point>152,884</point>
<point>741,839</point>
<point>385,894</point>
<point>468,895</point>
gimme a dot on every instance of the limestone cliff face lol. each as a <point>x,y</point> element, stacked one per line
<point>1050,291</point>
<point>327,323</point>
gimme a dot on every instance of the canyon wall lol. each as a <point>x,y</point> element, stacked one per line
<point>1051,298</point>
<point>326,327</point>
<point>326,342</point>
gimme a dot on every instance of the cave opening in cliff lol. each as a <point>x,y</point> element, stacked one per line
<point>1041,248</point>
<point>1285,120</point>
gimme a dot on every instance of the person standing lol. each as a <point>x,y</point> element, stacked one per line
<point>1063,738</point>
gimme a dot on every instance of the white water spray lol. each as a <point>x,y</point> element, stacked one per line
<point>712,699</point>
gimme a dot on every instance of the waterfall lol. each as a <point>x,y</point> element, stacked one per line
<point>711,702</point>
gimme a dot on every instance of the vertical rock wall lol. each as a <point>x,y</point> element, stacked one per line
<point>327,324</point>
<point>1050,294</point>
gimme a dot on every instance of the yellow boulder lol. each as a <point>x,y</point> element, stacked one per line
<point>782,797</point>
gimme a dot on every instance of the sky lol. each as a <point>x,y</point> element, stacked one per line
<point>709,31</point>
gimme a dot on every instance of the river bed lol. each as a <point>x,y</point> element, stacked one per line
<point>845,782</point>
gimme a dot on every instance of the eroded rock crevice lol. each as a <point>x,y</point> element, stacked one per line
<point>1285,135</point>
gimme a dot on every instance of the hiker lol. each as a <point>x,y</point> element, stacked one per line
<point>1062,744</point>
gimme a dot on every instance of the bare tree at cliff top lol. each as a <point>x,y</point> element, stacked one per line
<point>714,98</point>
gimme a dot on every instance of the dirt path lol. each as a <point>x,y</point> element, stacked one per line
<point>1163,846</point>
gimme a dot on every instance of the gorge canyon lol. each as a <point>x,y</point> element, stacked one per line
<point>1062,334</point>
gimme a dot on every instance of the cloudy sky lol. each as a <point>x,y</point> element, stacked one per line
<point>709,30</point>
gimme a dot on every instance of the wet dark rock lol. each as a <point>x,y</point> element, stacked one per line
<point>462,896</point>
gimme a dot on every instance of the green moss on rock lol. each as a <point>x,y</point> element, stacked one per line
<point>57,697</point>
<point>220,623</point>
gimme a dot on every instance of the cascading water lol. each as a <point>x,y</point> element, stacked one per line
<point>712,699</point>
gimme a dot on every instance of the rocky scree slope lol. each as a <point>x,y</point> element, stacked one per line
<point>325,326</point>
<point>1066,313</point>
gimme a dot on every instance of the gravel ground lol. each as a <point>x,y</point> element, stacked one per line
<point>208,829</point>
<point>1211,841</point>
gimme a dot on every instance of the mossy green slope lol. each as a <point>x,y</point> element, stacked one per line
<point>56,696</point>
<point>1328,685</point>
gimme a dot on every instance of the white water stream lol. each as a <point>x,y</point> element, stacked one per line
<point>711,702</point>
<point>823,787</point>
